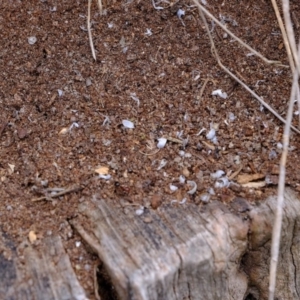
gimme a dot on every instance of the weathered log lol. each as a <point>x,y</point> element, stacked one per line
<point>174,252</point>
<point>192,252</point>
<point>44,273</point>
<point>257,259</point>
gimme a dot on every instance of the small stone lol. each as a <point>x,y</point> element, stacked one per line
<point>186,172</point>
<point>22,133</point>
<point>88,82</point>
<point>155,201</point>
<point>147,220</point>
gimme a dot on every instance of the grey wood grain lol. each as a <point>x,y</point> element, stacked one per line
<point>42,273</point>
<point>171,253</point>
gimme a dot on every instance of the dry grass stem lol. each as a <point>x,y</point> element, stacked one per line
<point>100,6</point>
<point>204,10</point>
<point>290,31</point>
<point>215,53</point>
<point>286,136</point>
<point>89,29</point>
<point>281,186</point>
<point>284,35</point>
<point>59,194</point>
<point>287,47</point>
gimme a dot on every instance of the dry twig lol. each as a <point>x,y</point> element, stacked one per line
<point>71,189</point>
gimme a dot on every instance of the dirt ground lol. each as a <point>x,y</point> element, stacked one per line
<point>62,114</point>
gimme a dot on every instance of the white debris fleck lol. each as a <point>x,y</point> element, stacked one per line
<point>219,93</point>
<point>193,184</point>
<point>77,244</point>
<point>60,92</point>
<point>161,143</point>
<point>106,142</point>
<point>32,40</point>
<point>53,9</point>
<point>296,113</point>
<point>181,179</point>
<point>222,182</point>
<point>215,140</point>
<point>105,176</point>
<point>211,191</point>
<point>83,28</point>
<point>201,130</point>
<point>182,201</point>
<point>181,153</point>
<point>110,25</point>
<point>187,155</point>
<point>205,197</point>
<point>148,32</point>
<point>135,98</point>
<point>217,174</point>
<point>128,124</point>
<point>180,13</point>
<point>231,117</point>
<point>272,154</point>
<point>173,188</point>
<point>204,2</point>
<point>88,82</point>
<point>106,121</point>
<point>185,142</point>
<point>279,145</point>
<point>179,134</point>
<point>140,211</point>
<point>186,117</point>
<point>162,164</point>
<point>74,124</point>
<point>211,134</point>
<point>156,7</point>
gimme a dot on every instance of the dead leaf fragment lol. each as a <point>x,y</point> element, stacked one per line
<point>32,236</point>
<point>208,145</point>
<point>11,168</point>
<point>244,178</point>
<point>102,170</point>
<point>64,130</point>
<point>255,185</point>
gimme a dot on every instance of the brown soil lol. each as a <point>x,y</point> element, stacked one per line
<point>154,80</point>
